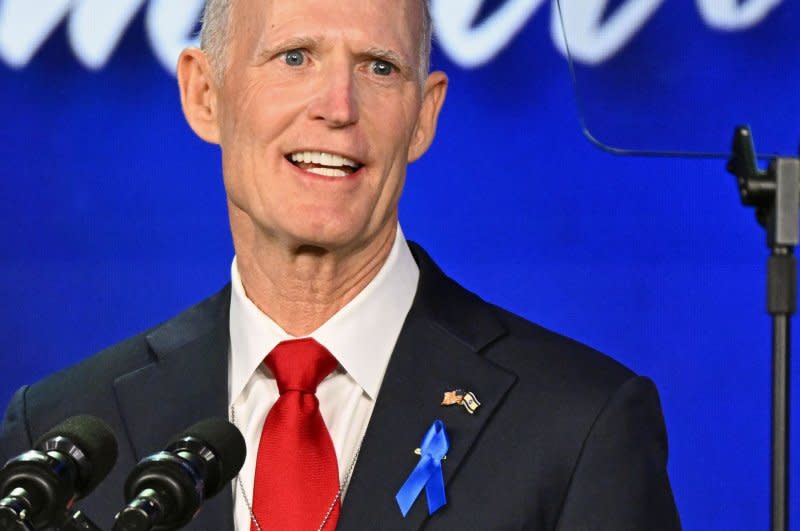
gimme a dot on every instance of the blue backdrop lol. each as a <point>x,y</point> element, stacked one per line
<point>113,213</point>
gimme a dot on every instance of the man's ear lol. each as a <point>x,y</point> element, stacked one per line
<point>432,100</point>
<point>199,94</point>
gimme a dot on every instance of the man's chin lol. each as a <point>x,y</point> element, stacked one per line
<point>338,240</point>
<point>326,240</point>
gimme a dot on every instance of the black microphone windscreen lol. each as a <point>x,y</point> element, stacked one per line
<point>225,440</point>
<point>94,438</point>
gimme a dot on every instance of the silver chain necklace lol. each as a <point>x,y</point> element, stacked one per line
<point>337,496</point>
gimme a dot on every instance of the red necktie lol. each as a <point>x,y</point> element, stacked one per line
<point>297,476</point>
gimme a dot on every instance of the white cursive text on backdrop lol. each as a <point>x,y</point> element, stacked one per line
<point>95,27</point>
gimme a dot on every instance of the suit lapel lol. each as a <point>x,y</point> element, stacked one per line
<point>186,381</point>
<point>438,350</point>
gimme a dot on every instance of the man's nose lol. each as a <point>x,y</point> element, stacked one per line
<point>335,97</point>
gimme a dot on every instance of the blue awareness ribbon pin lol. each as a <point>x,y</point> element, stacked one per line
<point>428,472</point>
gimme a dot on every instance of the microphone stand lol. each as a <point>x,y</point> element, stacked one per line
<point>76,520</point>
<point>13,512</point>
<point>13,518</point>
<point>775,194</point>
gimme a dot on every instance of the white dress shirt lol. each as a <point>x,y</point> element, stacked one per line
<point>361,336</point>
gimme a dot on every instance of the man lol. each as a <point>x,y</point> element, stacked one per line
<point>318,107</point>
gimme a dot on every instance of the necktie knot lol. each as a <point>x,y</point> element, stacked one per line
<point>300,365</point>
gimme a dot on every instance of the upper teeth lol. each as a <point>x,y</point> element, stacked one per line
<point>326,159</point>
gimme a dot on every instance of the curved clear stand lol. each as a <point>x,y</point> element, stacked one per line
<point>665,78</point>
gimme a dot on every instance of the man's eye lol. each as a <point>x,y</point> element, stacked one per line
<point>382,68</point>
<point>294,57</point>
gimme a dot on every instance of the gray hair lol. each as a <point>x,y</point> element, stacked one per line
<point>215,29</point>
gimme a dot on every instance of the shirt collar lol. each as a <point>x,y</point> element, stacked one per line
<point>361,335</point>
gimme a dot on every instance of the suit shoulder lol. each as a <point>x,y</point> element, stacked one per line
<point>88,384</point>
<point>562,386</point>
<point>96,370</point>
<point>549,366</point>
<point>527,344</point>
<point>540,358</point>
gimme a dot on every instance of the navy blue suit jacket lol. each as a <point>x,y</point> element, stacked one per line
<point>565,438</point>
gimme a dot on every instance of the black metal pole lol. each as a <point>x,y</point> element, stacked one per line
<point>780,422</point>
<point>781,297</point>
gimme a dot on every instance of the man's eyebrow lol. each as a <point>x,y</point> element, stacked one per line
<point>387,55</point>
<point>292,43</point>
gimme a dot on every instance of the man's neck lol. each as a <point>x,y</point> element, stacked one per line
<point>300,288</point>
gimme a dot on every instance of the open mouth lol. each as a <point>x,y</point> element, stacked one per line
<point>322,163</point>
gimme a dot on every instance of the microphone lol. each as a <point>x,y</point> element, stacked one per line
<point>166,489</point>
<point>37,488</point>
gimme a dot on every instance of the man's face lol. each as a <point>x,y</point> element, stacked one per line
<point>319,114</point>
